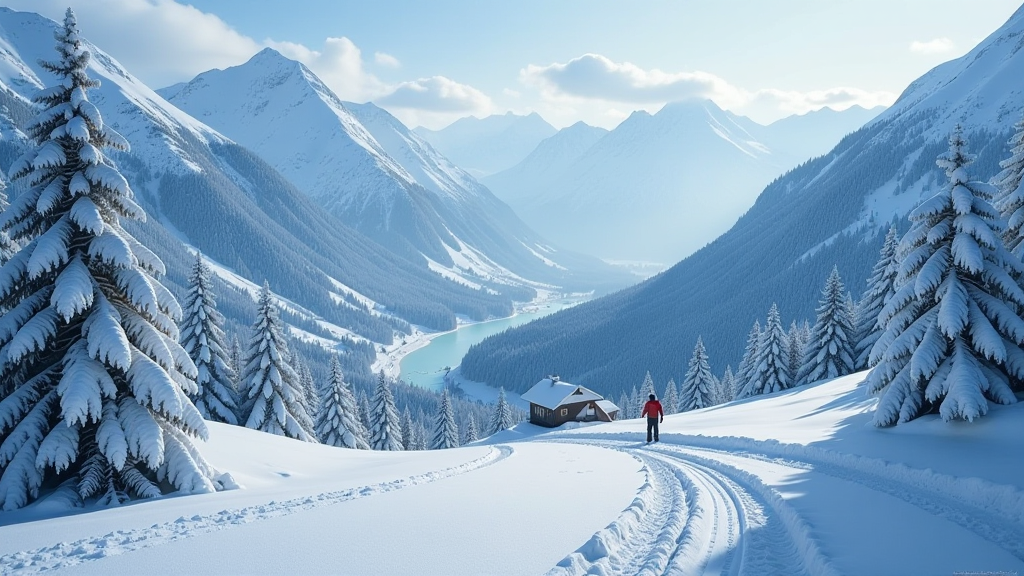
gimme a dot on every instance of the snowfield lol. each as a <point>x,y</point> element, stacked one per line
<point>798,482</point>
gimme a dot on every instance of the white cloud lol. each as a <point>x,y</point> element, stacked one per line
<point>936,46</point>
<point>386,60</point>
<point>593,78</point>
<point>163,42</point>
<point>160,41</point>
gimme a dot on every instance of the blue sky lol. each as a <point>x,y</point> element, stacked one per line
<point>592,60</point>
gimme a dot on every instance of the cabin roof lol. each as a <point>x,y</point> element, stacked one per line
<point>554,393</point>
<point>608,406</point>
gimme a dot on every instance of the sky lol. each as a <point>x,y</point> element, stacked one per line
<point>430,63</point>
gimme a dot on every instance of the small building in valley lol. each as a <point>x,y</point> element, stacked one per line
<point>553,403</point>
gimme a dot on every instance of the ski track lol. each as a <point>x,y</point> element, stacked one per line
<point>992,511</point>
<point>65,554</point>
<point>695,515</point>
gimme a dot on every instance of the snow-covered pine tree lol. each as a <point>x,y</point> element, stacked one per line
<point>202,336</point>
<point>364,409</point>
<point>385,431</point>
<point>647,387</point>
<point>503,416</point>
<point>829,353</point>
<point>471,434</point>
<point>7,246</point>
<point>408,430</point>
<point>636,403</point>
<point>337,423</point>
<point>795,347</point>
<point>696,389</point>
<point>747,365</point>
<point>881,287</point>
<point>670,402</point>
<point>952,338</point>
<point>770,372</point>
<point>446,431</point>
<point>310,394</point>
<point>726,386</point>
<point>1010,200</point>
<point>89,346</point>
<point>237,357</point>
<point>271,392</point>
<point>623,407</point>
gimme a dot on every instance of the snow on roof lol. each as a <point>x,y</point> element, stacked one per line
<point>608,406</point>
<point>554,393</point>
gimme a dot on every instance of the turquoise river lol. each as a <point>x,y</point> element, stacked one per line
<point>426,367</point>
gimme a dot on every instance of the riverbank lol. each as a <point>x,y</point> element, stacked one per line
<point>390,358</point>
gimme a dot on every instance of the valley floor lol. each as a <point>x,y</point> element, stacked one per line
<point>795,483</point>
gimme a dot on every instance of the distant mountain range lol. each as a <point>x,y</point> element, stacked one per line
<point>484,146</point>
<point>366,168</point>
<point>829,211</point>
<point>658,187</point>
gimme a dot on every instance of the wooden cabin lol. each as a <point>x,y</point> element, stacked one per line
<point>553,403</point>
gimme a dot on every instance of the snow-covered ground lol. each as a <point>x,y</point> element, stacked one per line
<point>794,483</point>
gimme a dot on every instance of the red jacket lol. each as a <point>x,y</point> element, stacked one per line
<point>652,409</point>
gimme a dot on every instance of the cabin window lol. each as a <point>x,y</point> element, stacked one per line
<point>565,411</point>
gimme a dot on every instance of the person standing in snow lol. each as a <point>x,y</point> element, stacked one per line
<point>655,415</point>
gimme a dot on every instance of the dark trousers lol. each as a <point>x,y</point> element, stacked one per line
<point>652,426</point>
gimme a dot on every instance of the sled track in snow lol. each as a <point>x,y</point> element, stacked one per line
<point>698,516</point>
<point>67,554</point>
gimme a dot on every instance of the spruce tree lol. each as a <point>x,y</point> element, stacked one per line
<point>698,384</point>
<point>385,426</point>
<point>237,358</point>
<point>647,387</point>
<point>636,403</point>
<point>7,246</point>
<point>408,430</point>
<point>270,388</point>
<point>471,433</point>
<point>503,418</point>
<point>202,336</point>
<point>364,409</point>
<point>337,423</point>
<point>952,339</point>
<point>310,394</point>
<point>881,287</point>
<point>1011,194</point>
<point>829,353</point>
<point>795,347</point>
<point>670,402</point>
<point>770,372</point>
<point>745,371</point>
<point>97,384</point>
<point>726,386</point>
<point>446,432</point>
<point>624,407</point>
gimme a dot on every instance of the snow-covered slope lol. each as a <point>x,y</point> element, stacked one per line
<point>488,145</point>
<point>366,168</point>
<point>795,483</point>
<point>830,211</point>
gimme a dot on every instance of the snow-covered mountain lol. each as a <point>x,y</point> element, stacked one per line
<point>806,136</point>
<point>488,145</point>
<point>202,189</point>
<point>365,167</point>
<point>830,211</point>
<point>658,187</point>
<point>553,155</point>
